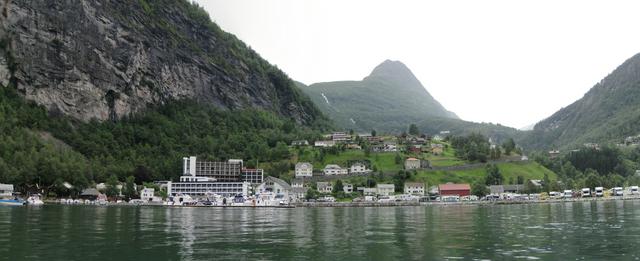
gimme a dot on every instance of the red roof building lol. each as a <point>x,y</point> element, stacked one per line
<point>454,189</point>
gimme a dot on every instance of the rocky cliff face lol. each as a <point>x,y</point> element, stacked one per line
<point>108,59</point>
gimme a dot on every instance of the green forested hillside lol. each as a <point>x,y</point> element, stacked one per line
<point>149,146</point>
<point>608,113</point>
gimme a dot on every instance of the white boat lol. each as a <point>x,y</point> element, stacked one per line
<point>35,200</point>
<point>11,202</point>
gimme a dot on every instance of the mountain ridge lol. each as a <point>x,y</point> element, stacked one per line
<point>108,60</point>
<point>607,113</point>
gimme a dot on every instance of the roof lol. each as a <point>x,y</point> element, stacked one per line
<point>513,187</point>
<point>278,181</point>
<point>412,159</point>
<point>332,166</point>
<point>442,187</point>
<point>299,190</point>
<point>90,192</point>
<point>323,184</point>
<point>303,164</point>
<point>414,184</point>
<point>386,186</point>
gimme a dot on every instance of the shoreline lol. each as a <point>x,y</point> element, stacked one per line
<point>375,204</point>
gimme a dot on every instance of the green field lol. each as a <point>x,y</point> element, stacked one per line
<point>528,170</point>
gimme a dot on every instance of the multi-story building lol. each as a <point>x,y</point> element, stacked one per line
<point>253,176</point>
<point>412,163</point>
<point>414,188</point>
<point>223,178</point>
<point>385,189</point>
<point>340,136</point>
<point>304,169</point>
<point>358,168</point>
<point>324,187</point>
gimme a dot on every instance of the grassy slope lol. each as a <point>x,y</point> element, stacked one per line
<point>386,163</point>
<point>528,170</point>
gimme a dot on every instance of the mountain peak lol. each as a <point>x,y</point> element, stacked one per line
<point>390,68</point>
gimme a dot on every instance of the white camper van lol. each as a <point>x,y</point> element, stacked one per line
<point>617,192</point>
<point>567,194</point>
<point>586,192</point>
<point>599,191</point>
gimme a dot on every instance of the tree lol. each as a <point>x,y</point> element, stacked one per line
<point>593,179</point>
<point>373,133</point>
<point>112,186</point>
<point>129,190</point>
<point>413,129</point>
<point>520,180</point>
<point>311,194</point>
<point>398,158</point>
<point>338,187</point>
<point>494,177</point>
<point>509,145</point>
<point>479,188</point>
<point>546,183</point>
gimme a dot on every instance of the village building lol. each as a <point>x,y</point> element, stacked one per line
<point>385,189</point>
<point>148,195</point>
<point>358,168</point>
<point>300,143</point>
<point>278,189</point>
<point>554,153</point>
<point>353,146</point>
<point>297,183</point>
<point>324,187</point>
<point>303,169</point>
<point>454,189</point>
<point>347,188</point>
<point>412,163</point>
<point>437,149</point>
<point>324,143</point>
<point>6,190</point>
<point>340,136</point>
<point>414,188</point>
<point>333,169</point>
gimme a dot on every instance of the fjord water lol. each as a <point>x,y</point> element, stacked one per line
<point>560,231</point>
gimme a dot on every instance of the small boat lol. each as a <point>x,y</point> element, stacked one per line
<point>12,202</point>
<point>34,200</point>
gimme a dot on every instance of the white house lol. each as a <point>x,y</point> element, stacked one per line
<point>279,189</point>
<point>297,183</point>
<point>412,163</point>
<point>6,190</point>
<point>347,188</point>
<point>324,187</point>
<point>148,195</point>
<point>333,169</point>
<point>385,189</point>
<point>414,188</point>
<point>304,169</point>
<point>358,168</point>
<point>324,143</point>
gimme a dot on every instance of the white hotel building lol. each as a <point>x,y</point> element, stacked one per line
<point>223,178</point>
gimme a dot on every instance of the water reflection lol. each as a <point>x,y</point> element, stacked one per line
<point>584,230</point>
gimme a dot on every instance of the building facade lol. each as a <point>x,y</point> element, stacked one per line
<point>412,163</point>
<point>332,169</point>
<point>385,189</point>
<point>414,188</point>
<point>324,187</point>
<point>304,169</point>
<point>358,168</point>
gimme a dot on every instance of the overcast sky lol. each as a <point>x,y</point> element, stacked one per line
<point>508,62</point>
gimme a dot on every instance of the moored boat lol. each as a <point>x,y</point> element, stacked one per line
<point>35,200</point>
